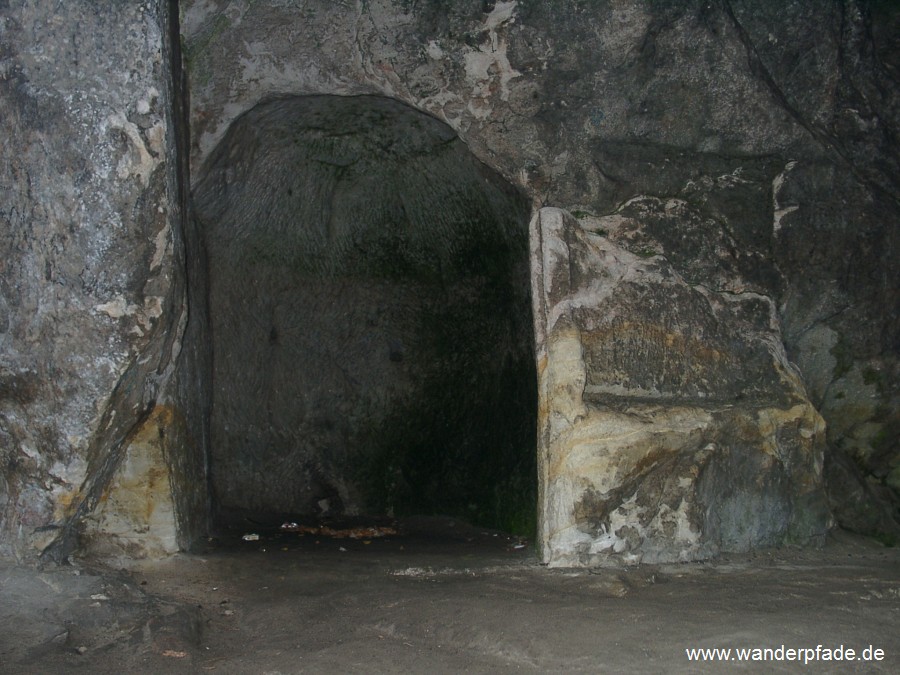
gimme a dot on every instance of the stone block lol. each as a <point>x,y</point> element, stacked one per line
<point>672,426</point>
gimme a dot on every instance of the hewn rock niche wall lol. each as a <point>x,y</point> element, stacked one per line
<point>731,171</point>
<point>370,321</point>
<point>714,252</point>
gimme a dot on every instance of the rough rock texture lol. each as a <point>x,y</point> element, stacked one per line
<point>136,515</point>
<point>753,146</point>
<point>672,424</point>
<point>370,326</point>
<point>88,297</point>
<point>744,153</point>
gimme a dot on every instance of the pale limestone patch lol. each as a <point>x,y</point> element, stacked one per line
<point>163,247</point>
<point>434,50</point>
<point>156,138</point>
<point>138,161</point>
<point>136,516</point>
<point>145,314</point>
<point>780,210</point>
<point>488,69</point>
<point>117,308</point>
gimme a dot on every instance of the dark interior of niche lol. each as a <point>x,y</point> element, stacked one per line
<point>369,320</point>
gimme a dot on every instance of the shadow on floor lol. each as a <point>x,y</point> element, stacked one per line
<point>441,596</point>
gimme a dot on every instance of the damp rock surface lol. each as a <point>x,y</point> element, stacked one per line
<point>673,424</point>
<point>88,307</point>
<point>369,317</point>
<point>750,145</point>
<point>747,150</point>
<point>457,601</point>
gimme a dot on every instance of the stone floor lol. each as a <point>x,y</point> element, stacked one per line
<point>443,597</point>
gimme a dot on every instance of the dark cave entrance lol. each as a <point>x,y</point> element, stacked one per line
<point>369,319</point>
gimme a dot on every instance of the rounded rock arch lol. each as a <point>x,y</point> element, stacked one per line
<point>369,320</point>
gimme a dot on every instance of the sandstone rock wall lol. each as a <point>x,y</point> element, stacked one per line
<point>88,288</point>
<point>672,424</point>
<point>750,146</point>
<point>730,168</point>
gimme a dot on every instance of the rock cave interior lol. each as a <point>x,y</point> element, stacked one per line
<point>584,313</point>
<point>599,275</point>
<point>369,334</point>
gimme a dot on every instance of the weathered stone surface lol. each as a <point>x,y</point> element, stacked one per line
<point>744,152</point>
<point>370,330</point>
<point>672,425</point>
<point>87,263</point>
<point>751,144</point>
<point>136,514</point>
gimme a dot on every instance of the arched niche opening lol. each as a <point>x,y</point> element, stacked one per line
<point>369,319</point>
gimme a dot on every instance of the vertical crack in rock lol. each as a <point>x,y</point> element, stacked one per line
<point>139,393</point>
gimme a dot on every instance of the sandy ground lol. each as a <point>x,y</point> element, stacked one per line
<point>444,598</point>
